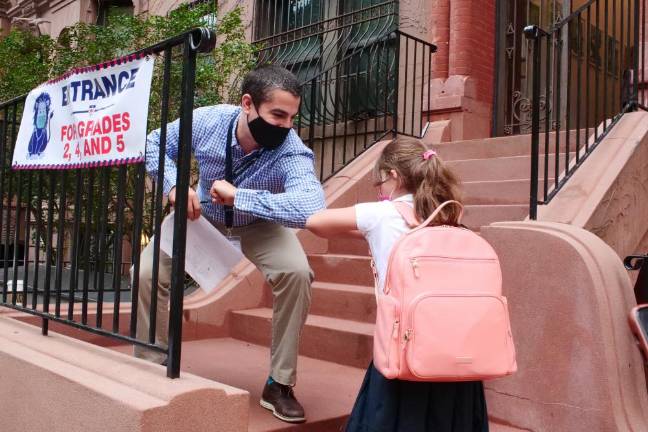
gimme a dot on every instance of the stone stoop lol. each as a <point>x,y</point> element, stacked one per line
<point>57,383</point>
<point>339,329</point>
<point>336,345</point>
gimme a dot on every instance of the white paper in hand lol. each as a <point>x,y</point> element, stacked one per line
<point>209,257</point>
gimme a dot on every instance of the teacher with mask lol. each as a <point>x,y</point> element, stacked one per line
<point>256,180</point>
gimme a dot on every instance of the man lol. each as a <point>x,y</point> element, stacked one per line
<point>273,187</point>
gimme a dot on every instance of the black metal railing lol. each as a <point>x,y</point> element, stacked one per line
<point>362,79</point>
<point>586,73</point>
<point>309,45</point>
<point>377,91</point>
<point>72,224</point>
<point>639,262</point>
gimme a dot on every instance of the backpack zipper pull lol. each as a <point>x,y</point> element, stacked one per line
<point>415,267</point>
<point>408,335</point>
<point>395,330</point>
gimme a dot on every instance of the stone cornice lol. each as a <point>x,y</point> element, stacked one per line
<point>26,8</point>
<point>4,7</point>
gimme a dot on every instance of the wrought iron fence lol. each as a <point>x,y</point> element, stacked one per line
<point>586,73</point>
<point>362,79</point>
<point>639,262</point>
<point>72,224</point>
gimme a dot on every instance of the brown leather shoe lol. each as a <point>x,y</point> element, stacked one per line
<point>280,399</point>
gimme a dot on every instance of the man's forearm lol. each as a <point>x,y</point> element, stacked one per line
<point>290,209</point>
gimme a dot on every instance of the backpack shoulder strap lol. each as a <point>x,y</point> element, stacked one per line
<point>407,212</point>
<point>438,210</point>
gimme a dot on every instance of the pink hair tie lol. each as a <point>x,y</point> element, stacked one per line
<point>428,154</point>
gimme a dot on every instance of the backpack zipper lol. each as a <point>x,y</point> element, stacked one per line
<point>415,261</point>
<point>415,266</point>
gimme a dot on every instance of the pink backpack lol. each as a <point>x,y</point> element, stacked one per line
<point>441,315</point>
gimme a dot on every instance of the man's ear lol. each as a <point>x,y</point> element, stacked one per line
<point>246,103</point>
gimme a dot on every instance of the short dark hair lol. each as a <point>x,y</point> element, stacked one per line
<point>260,82</point>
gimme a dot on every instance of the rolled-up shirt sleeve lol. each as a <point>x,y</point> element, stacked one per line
<point>170,155</point>
<point>302,195</point>
<point>171,151</point>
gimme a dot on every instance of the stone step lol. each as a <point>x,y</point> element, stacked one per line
<point>506,146</point>
<point>350,302</point>
<point>342,269</point>
<point>496,192</point>
<point>348,246</point>
<point>326,390</point>
<point>476,216</point>
<point>325,338</point>
<point>502,168</point>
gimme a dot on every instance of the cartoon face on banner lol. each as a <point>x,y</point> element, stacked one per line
<point>41,134</point>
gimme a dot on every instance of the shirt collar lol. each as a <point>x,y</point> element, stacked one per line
<point>407,198</point>
<point>235,143</point>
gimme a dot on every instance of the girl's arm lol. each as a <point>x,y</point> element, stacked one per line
<point>334,222</point>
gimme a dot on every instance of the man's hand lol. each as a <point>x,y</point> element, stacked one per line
<point>223,192</point>
<point>193,203</point>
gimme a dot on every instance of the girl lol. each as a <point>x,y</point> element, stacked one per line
<point>406,171</point>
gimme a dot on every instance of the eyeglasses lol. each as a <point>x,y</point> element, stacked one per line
<point>380,182</point>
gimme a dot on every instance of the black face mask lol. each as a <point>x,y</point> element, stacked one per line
<point>267,135</point>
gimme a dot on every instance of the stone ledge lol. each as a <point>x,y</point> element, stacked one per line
<point>58,383</point>
<point>578,366</point>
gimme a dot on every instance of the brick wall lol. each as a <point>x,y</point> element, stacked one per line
<point>440,32</point>
<point>472,43</point>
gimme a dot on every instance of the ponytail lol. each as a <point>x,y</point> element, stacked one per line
<point>423,174</point>
<point>437,185</point>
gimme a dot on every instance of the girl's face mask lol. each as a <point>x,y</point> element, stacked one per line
<point>382,196</point>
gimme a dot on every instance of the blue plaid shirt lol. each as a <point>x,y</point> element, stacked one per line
<point>278,185</point>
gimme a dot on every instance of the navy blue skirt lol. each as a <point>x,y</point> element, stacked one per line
<point>385,405</point>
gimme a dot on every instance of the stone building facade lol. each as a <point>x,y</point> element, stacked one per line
<point>463,31</point>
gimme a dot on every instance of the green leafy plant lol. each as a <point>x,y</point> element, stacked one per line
<point>27,60</point>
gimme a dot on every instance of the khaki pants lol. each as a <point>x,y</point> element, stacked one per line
<point>277,253</point>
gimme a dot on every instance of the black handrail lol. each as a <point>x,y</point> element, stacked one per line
<point>345,113</point>
<point>639,262</point>
<point>62,208</point>
<point>586,73</point>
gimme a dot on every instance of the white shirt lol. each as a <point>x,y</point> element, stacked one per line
<point>382,226</point>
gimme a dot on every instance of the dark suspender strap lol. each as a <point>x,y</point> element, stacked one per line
<point>229,176</point>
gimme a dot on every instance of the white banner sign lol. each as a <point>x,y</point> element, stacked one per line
<point>93,116</point>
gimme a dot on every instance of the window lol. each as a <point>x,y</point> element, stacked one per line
<point>342,42</point>
<point>108,7</point>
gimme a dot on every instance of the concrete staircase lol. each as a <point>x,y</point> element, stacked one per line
<point>336,344</point>
<point>339,328</point>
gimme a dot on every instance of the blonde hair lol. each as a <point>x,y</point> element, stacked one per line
<point>429,180</point>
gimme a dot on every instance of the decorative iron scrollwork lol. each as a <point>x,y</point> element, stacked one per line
<point>521,107</point>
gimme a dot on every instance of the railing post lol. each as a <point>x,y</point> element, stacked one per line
<point>396,36</point>
<point>635,73</point>
<point>200,40</point>
<point>533,32</point>
<point>53,191</point>
<point>639,262</point>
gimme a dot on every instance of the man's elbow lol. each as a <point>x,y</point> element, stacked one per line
<point>316,224</point>
<point>312,226</point>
